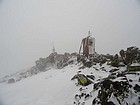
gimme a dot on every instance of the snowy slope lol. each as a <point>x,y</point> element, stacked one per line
<point>53,87</point>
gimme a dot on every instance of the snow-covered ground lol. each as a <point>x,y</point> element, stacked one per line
<point>53,87</point>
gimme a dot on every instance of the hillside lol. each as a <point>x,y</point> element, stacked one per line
<point>105,81</point>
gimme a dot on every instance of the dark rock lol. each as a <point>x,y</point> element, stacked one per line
<point>92,59</point>
<point>124,78</point>
<point>11,80</point>
<point>115,61</point>
<point>77,97</point>
<point>113,70</point>
<point>103,69</point>
<point>81,89</point>
<point>130,80</point>
<point>121,88</point>
<point>106,84</point>
<point>88,64</point>
<point>96,86</point>
<point>108,87</point>
<point>103,97</point>
<point>70,62</point>
<point>83,94</point>
<point>87,96</point>
<point>97,69</point>
<point>110,103</point>
<point>121,74</point>
<point>82,79</point>
<point>122,53</point>
<point>112,76</point>
<point>137,87</point>
<point>91,76</point>
<point>94,102</point>
<point>130,55</point>
<point>81,58</point>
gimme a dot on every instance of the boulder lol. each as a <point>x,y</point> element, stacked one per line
<point>82,79</point>
<point>137,88</point>
<point>132,54</point>
<point>115,61</point>
<point>12,80</point>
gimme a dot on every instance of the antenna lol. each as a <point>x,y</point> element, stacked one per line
<point>89,33</point>
<point>53,50</point>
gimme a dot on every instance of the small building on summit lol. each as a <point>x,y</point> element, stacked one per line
<point>87,46</point>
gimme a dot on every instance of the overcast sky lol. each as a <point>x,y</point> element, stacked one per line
<point>29,27</point>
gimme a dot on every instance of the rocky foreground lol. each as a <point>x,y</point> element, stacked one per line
<point>106,85</point>
<point>114,81</point>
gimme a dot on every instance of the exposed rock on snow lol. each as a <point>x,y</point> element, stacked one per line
<point>117,86</point>
<point>82,79</point>
<point>132,54</point>
<point>54,60</point>
<point>11,80</point>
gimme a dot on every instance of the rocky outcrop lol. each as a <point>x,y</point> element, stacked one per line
<point>110,88</point>
<point>120,87</point>
<point>117,90</point>
<point>132,54</point>
<point>55,60</point>
<point>93,59</point>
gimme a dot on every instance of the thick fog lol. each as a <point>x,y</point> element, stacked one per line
<point>29,28</point>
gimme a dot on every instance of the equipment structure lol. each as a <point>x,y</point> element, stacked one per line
<point>87,46</point>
